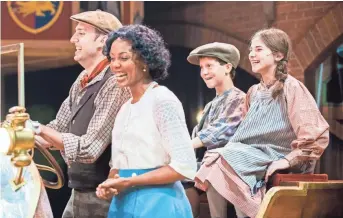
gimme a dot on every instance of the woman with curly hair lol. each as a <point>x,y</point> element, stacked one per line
<point>151,147</point>
<point>282,130</point>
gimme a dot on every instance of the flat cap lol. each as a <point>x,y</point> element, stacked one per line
<point>223,51</point>
<point>101,20</point>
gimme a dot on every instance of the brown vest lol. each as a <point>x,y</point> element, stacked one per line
<point>86,177</point>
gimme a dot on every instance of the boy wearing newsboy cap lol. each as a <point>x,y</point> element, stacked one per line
<point>222,115</point>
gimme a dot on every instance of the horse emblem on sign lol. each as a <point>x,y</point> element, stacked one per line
<point>35,16</point>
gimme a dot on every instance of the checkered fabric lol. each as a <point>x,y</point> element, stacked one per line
<point>87,148</point>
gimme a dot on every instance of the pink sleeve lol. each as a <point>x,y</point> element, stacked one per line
<point>309,125</point>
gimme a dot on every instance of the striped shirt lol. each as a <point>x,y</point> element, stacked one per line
<point>87,148</point>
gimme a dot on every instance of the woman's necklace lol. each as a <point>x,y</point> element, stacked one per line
<point>268,84</point>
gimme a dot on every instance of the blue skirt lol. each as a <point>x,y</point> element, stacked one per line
<point>154,201</point>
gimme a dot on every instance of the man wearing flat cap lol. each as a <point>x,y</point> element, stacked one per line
<point>222,115</point>
<point>83,125</point>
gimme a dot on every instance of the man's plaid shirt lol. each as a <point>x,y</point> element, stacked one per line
<point>87,148</point>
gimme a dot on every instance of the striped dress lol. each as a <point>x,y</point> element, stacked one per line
<point>265,135</point>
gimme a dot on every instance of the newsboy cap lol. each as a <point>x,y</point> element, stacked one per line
<point>223,51</point>
<point>101,20</point>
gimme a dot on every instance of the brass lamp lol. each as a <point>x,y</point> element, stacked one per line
<point>17,140</point>
<point>21,141</point>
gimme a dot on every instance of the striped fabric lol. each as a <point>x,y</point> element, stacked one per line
<point>268,133</point>
<point>260,141</point>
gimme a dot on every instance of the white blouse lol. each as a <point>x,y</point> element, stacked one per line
<point>153,133</point>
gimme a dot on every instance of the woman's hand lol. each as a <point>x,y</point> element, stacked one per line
<point>117,183</point>
<point>276,165</point>
<point>106,193</point>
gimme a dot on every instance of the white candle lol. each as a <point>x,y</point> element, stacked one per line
<point>4,141</point>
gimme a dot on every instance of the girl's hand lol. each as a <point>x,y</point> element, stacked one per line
<point>276,165</point>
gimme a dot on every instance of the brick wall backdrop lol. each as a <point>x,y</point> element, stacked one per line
<point>312,26</point>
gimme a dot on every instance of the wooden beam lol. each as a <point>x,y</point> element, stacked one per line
<point>39,55</point>
<point>37,63</point>
<point>131,12</point>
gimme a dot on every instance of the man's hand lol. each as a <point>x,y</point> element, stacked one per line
<point>276,165</point>
<point>35,126</point>
<point>51,136</point>
<point>42,142</point>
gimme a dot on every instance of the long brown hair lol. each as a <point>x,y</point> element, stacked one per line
<point>277,41</point>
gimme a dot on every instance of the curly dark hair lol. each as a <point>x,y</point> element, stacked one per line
<point>149,46</point>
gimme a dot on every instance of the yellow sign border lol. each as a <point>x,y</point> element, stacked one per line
<point>29,29</point>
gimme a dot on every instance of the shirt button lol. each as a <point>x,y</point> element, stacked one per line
<point>133,175</point>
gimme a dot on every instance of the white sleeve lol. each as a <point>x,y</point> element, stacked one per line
<point>170,120</point>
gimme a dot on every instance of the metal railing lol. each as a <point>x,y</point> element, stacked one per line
<point>19,49</point>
